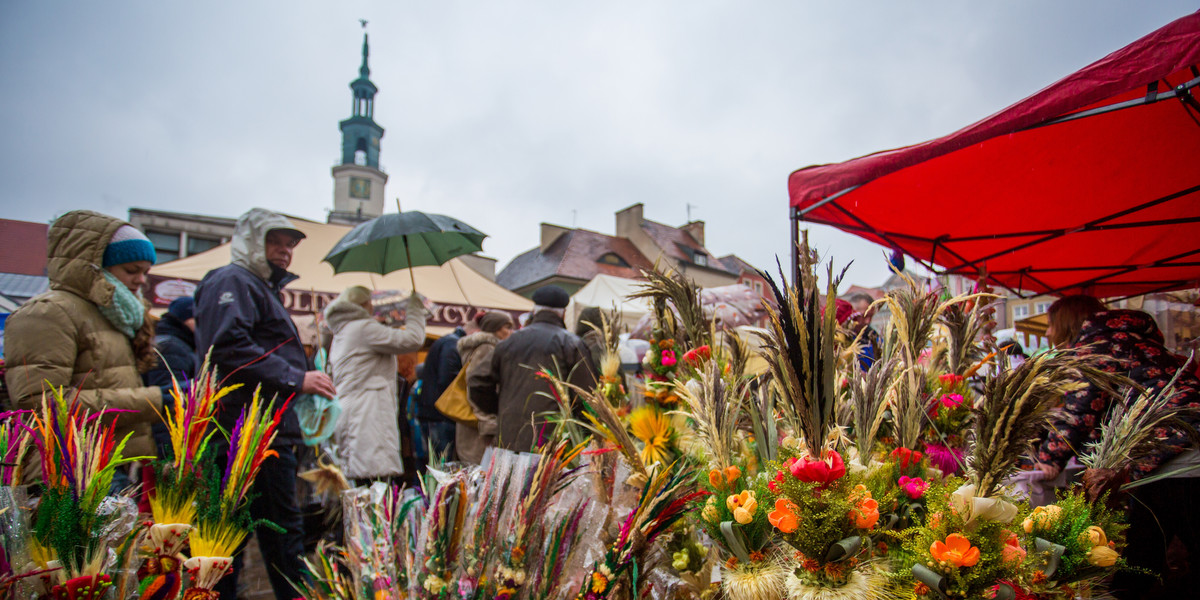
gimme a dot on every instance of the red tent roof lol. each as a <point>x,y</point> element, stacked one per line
<point>1092,184</point>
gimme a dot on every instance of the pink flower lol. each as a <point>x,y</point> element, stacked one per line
<point>952,400</point>
<point>913,486</point>
<point>668,358</point>
<point>946,459</point>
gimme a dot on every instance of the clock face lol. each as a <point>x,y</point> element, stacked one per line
<point>360,188</point>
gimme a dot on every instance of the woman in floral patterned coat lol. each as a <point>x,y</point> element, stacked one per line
<point>1129,342</point>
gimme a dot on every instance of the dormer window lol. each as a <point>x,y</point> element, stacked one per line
<point>611,258</point>
<point>700,258</point>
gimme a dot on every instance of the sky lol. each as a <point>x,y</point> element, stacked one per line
<point>509,114</point>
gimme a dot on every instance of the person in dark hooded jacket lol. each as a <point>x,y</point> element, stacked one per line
<point>175,340</point>
<point>241,318</point>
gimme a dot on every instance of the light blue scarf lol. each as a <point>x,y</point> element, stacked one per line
<point>126,312</point>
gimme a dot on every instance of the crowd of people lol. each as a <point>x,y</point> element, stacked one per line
<point>92,333</point>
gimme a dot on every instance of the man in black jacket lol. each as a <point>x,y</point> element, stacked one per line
<point>442,364</point>
<point>511,389</point>
<point>241,317</point>
<point>175,340</point>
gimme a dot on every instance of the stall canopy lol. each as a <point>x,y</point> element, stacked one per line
<point>1090,185</point>
<point>456,290</point>
<point>607,292</point>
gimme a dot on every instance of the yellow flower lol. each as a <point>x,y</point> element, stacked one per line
<point>1094,536</point>
<point>1042,517</point>
<point>1102,556</point>
<point>654,429</point>
<point>599,583</point>
<point>710,510</point>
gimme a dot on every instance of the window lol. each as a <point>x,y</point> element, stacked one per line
<point>196,245</point>
<point>1020,311</point>
<point>701,259</point>
<point>166,245</point>
<point>611,258</point>
<point>1041,307</point>
<point>758,286</point>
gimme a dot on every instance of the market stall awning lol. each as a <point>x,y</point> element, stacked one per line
<point>1092,184</point>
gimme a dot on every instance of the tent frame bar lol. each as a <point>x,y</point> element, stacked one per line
<point>1181,91</point>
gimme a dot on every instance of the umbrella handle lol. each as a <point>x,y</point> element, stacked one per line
<point>408,258</point>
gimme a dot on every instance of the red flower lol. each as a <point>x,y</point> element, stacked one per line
<point>695,356</point>
<point>907,457</point>
<point>823,472</point>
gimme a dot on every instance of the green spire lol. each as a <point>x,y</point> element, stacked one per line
<point>363,71</point>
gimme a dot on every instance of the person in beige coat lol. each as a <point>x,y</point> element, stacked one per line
<point>89,333</point>
<point>363,358</point>
<point>476,352</point>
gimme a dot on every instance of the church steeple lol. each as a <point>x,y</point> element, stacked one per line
<point>358,180</point>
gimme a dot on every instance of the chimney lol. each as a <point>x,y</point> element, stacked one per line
<point>550,234</point>
<point>696,230</point>
<point>629,220</point>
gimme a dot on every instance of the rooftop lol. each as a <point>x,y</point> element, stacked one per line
<point>575,254</point>
<point>23,247</point>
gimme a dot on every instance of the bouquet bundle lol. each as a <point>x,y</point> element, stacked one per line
<point>78,454</point>
<point>178,481</point>
<point>969,546</point>
<point>222,518</point>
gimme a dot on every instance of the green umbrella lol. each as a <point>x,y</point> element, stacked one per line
<point>403,240</point>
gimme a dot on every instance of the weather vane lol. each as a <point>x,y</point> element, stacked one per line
<point>363,22</point>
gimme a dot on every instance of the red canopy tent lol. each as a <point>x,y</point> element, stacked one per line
<point>1092,184</point>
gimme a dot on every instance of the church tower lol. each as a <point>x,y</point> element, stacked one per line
<point>358,181</point>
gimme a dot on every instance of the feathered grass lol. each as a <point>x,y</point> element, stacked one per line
<point>669,288</point>
<point>601,419</point>
<point>964,322</point>
<point>1015,406</point>
<point>869,400</point>
<point>178,480</point>
<point>715,408</point>
<point>79,453</point>
<point>221,513</point>
<point>1128,432</point>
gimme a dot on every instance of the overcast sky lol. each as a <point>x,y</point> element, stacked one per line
<point>506,114</point>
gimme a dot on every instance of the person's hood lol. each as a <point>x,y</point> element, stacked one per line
<point>75,253</point>
<point>248,248</point>
<point>472,342</point>
<point>340,312</point>
<point>170,325</point>
<point>1133,323</point>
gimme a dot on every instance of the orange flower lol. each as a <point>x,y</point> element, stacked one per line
<point>784,516</point>
<point>866,514</point>
<point>957,551</point>
<point>732,473</point>
<point>1012,550</point>
<point>715,479</point>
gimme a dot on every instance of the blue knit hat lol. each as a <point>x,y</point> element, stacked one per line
<point>128,245</point>
<point>182,308</point>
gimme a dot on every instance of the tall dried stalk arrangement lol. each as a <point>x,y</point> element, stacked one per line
<point>1128,432</point>
<point>964,323</point>
<point>1015,406</point>
<point>714,408</point>
<point>869,401</point>
<point>602,420</point>
<point>669,286</point>
<point>801,349</point>
<point>915,312</point>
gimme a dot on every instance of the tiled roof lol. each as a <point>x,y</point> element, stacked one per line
<point>22,287</point>
<point>679,244</point>
<point>574,254</point>
<point>23,247</point>
<point>736,265</point>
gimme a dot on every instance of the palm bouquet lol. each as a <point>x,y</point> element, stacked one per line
<point>967,547</point>
<point>79,453</point>
<point>222,519</point>
<point>178,480</point>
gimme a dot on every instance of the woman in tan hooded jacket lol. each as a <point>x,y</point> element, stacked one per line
<point>476,352</point>
<point>82,333</point>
